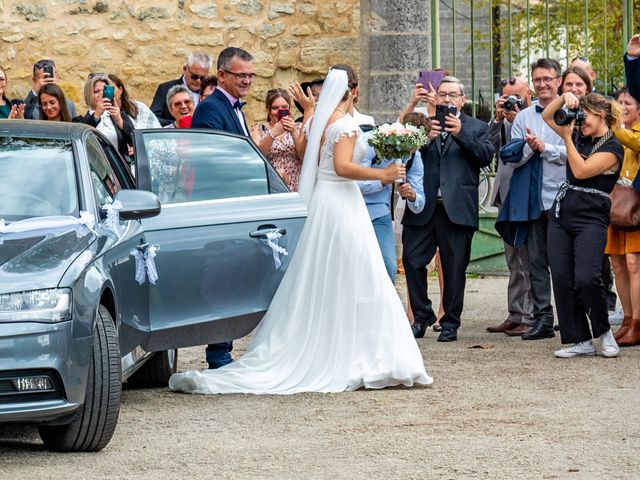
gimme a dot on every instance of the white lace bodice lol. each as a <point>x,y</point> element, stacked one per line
<point>334,132</point>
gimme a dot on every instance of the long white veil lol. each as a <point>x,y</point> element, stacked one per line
<point>333,89</point>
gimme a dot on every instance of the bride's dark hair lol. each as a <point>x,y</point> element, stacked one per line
<point>351,76</point>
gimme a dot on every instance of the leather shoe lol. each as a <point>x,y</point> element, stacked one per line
<point>448,335</point>
<point>539,332</point>
<point>503,327</point>
<point>518,330</point>
<point>419,329</point>
<point>436,327</point>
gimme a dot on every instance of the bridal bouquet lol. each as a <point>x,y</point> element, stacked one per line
<point>397,140</point>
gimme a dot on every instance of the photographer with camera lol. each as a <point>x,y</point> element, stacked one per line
<point>277,138</point>
<point>543,145</point>
<point>579,219</point>
<point>516,95</point>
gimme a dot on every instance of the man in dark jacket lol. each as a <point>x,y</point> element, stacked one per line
<point>452,163</point>
<point>193,71</point>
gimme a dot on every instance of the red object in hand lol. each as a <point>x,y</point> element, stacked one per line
<point>185,122</point>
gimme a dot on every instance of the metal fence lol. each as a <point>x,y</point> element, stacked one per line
<point>509,35</point>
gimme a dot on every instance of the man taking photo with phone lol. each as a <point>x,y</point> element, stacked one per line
<point>44,72</point>
<point>459,147</point>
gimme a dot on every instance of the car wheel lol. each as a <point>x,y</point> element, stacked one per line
<point>156,371</point>
<point>92,427</point>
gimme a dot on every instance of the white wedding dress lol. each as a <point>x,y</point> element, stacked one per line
<point>336,322</point>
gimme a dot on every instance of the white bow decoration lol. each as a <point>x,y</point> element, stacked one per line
<point>145,264</point>
<point>272,241</point>
<point>112,221</point>
<point>47,225</point>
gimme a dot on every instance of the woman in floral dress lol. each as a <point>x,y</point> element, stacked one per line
<point>278,137</point>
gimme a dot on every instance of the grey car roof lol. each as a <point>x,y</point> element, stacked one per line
<point>42,129</point>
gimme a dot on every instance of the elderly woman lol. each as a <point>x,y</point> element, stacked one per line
<point>180,103</point>
<point>106,115</point>
<point>8,108</point>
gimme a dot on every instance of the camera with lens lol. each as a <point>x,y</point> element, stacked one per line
<point>511,102</point>
<point>565,116</point>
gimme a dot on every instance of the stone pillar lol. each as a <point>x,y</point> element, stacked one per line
<point>395,46</point>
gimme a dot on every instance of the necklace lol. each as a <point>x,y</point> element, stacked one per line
<point>341,111</point>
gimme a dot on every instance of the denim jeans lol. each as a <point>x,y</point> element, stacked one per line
<point>387,241</point>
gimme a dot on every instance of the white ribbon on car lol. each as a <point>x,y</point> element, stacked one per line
<point>272,241</point>
<point>33,226</point>
<point>145,264</point>
<point>112,221</point>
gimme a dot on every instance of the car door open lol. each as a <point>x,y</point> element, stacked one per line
<point>227,220</point>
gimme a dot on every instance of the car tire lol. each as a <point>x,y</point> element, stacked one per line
<point>156,371</point>
<point>94,424</point>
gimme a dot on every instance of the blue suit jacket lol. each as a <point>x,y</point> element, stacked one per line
<point>217,113</point>
<point>632,72</point>
<point>523,203</point>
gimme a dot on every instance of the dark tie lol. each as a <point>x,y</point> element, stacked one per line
<point>539,109</point>
<point>239,104</point>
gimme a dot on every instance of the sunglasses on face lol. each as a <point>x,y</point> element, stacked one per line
<point>511,81</point>
<point>194,76</point>
<point>44,63</point>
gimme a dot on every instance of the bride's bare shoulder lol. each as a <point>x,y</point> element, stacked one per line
<point>335,116</point>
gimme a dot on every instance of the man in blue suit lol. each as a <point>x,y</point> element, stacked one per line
<point>222,110</point>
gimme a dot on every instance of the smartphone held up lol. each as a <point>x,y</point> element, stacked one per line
<point>108,92</point>
<point>431,78</point>
<point>283,112</point>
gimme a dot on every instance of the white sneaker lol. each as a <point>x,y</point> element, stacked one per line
<point>616,317</point>
<point>580,349</point>
<point>608,345</point>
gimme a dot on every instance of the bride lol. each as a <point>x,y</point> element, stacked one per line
<point>336,322</point>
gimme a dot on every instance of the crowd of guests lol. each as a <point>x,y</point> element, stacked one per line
<point>551,187</point>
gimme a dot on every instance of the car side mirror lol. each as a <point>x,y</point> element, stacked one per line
<point>136,204</point>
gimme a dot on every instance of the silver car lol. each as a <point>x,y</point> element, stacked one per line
<point>75,321</point>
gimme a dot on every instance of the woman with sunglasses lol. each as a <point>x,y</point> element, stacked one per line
<point>578,222</point>
<point>8,108</point>
<point>53,105</point>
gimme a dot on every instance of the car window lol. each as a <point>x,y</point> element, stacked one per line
<point>38,178</point>
<point>118,164</point>
<point>192,166</point>
<point>105,182</point>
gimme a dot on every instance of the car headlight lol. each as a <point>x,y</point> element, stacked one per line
<point>50,305</point>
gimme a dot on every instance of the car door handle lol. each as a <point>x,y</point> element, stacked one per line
<point>262,231</point>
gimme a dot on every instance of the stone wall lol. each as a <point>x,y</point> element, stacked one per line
<point>146,41</point>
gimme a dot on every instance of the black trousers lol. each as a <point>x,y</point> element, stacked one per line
<point>419,245</point>
<point>576,246</point>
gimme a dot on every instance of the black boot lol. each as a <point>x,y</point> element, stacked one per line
<point>539,332</point>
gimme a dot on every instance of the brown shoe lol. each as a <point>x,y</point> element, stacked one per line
<point>503,327</point>
<point>518,330</point>
<point>631,335</point>
<point>623,328</point>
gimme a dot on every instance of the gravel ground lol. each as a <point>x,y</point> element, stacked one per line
<point>499,408</point>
